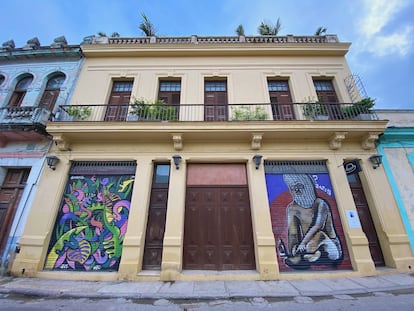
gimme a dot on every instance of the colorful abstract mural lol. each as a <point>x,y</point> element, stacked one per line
<point>91,223</point>
<point>305,222</point>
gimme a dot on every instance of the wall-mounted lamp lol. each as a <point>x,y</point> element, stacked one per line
<point>257,159</point>
<point>177,160</point>
<point>376,160</point>
<point>52,161</point>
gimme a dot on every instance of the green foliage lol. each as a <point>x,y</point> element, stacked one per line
<point>267,29</point>
<point>246,113</point>
<point>366,103</point>
<point>240,30</point>
<point>320,31</point>
<point>146,26</point>
<point>152,110</point>
<point>363,106</point>
<point>79,112</point>
<point>314,109</point>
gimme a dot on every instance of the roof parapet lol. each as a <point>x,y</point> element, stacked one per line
<point>9,45</point>
<point>32,44</point>
<point>211,39</point>
<point>59,42</point>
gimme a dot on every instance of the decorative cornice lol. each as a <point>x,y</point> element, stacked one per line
<point>368,141</point>
<point>178,141</point>
<point>256,143</point>
<point>336,139</point>
<point>61,143</point>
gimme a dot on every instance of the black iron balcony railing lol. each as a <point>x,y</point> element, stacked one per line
<point>216,112</point>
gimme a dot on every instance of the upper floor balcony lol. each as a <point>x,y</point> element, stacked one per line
<point>254,124</point>
<point>219,112</point>
<point>23,124</point>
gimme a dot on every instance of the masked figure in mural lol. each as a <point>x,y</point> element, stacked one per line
<point>311,234</point>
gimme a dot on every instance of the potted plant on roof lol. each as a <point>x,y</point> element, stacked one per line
<point>315,110</point>
<point>79,113</point>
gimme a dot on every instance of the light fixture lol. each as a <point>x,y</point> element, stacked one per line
<point>52,161</point>
<point>376,160</point>
<point>257,159</point>
<point>177,160</point>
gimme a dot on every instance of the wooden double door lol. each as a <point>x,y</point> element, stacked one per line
<point>218,231</point>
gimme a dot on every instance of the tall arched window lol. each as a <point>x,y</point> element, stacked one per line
<point>20,91</point>
<point>52,91</point>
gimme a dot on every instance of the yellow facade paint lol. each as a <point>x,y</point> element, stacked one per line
<point>246,68</point>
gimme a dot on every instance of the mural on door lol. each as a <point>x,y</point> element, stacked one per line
<point>91,224</point>
<point>305,222</point>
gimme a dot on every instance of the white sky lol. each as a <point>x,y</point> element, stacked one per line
<point>381,31</point>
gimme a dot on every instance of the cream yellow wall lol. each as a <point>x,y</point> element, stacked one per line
<point>37,232</point>
<point>246,76</point>
<point>216,142</point>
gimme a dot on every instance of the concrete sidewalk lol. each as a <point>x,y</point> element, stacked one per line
<point>206,289</point>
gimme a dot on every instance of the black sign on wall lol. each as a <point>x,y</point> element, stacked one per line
<point>352,167</point>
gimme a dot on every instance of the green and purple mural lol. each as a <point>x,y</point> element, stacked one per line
<point>91,223</point>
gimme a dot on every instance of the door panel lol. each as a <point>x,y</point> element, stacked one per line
<point>218,230</point>
<point>154,237</point>
<point>10,194</point>
<point>365,218</point>
<point>215,101</point>
<point>282,106</point>
<point>155,229</point>
<point>117,109</point>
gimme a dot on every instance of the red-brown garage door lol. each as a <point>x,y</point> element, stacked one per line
<point>218,228</point>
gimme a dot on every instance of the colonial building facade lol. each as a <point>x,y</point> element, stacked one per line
<point>193,158</point>
<point>34,81</point>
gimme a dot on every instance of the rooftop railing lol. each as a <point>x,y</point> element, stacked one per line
<point>217,112</point>
<point>215,39</point>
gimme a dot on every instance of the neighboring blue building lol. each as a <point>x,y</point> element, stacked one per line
<point>396,146</point>
<point>34,81</point>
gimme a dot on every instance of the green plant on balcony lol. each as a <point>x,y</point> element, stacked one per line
<point>155,110</point>
<point>359,109</point>
<point>247,113</point>
<point>79,112</point>
<point>314,109</point>
<point>366,104</point>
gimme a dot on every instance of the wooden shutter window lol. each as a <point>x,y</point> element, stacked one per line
<point>52,91</point>
<point>20,91</point>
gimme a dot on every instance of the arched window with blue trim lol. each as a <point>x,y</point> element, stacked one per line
<point>52,91</point>
<point>20,91</point>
